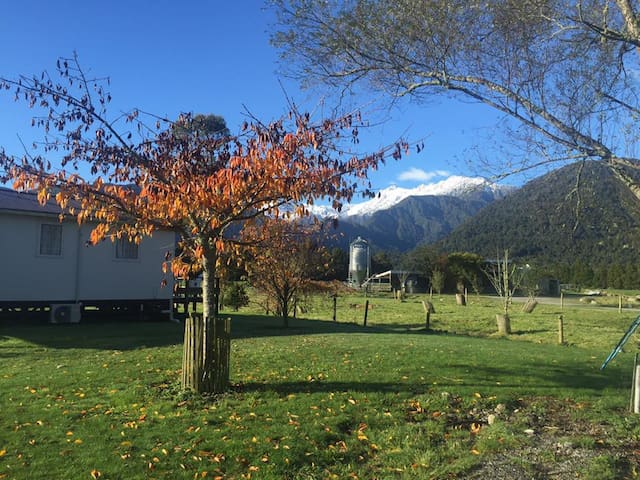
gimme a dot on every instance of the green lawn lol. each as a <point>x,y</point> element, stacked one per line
<point>322,399</point>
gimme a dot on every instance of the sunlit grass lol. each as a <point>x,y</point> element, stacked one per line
<point>317,400</point>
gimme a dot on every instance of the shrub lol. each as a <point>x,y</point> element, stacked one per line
<point>236,296</point>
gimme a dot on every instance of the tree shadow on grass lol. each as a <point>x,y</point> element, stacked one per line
<point>99,336</point>
<point>132,335</point>
<point>532,331</point>
<point>539,380</point>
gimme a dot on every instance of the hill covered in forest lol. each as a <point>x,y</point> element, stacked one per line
<point>581,212</point>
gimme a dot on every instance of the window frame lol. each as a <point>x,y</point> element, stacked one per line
<point>59,241</point>
<point>124,249</point>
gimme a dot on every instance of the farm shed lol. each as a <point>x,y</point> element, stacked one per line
<point>49,272</point>
<point>411,282</point>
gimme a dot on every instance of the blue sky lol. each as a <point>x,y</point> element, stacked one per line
<point>199,56</point>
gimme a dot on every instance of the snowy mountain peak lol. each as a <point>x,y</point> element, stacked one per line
<point>456,186</point>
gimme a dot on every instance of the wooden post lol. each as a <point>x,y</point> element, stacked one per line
<point>428,307</point>
<point>193,354</point>
<point>430,293</point>
<point>185,300</point>
<point>633,384</point>
<point>504,323</point>
<point>529,306</point>
<point>619,303</point>
<point>561,300</point>
<point>366,311</point>
<point>335,308</point>
<point>205,361</point>
<point>636,391</point>
<point>560,330</point>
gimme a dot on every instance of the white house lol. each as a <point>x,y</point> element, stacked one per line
<point>45,262</point>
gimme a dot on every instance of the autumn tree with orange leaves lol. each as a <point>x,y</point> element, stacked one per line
<point>283,262</point>
<point>131,174</point>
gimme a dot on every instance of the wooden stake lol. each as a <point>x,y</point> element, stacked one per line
<point>619,303</point>
<point>561,300</point>
<point>633,384</point>
<point>428,308</point>
<point>636,392</point>
<point>366,311</point>
<point>335,308</point>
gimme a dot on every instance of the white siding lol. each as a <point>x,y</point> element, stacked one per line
<point>80,273</point>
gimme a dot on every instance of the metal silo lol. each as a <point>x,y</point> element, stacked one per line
<point>359,261</point>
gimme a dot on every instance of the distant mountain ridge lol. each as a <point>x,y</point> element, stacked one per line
<point>400,219</point>
<point>454,186</point>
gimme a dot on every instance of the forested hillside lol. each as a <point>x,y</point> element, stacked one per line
<point>580,213</point>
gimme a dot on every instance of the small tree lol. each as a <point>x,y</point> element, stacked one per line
<point>235,296</point>
<point>283,263</point>
<point>437,280</point>
<point>506,278</point>
<point>466,268</point>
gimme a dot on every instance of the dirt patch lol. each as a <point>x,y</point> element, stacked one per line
<point>558,445</point>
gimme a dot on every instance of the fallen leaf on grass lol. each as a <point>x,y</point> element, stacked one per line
<point>95,474</point>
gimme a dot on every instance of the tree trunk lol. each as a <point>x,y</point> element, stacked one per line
<point>212,373</point>
<point>285,313</point>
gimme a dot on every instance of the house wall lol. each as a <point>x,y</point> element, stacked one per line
<point>81,272</point>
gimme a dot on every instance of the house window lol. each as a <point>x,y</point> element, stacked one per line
<point>50,239</point>
<point>126,249</point>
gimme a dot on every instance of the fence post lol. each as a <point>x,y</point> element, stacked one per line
<point>335,308</point>
<point>636,390</point>
<point>428,309</point>
<point>619,303</point>
<point>366,311</point>
<point>632,401</point>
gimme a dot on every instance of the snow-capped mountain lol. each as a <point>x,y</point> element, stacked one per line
<point>454,186</point>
